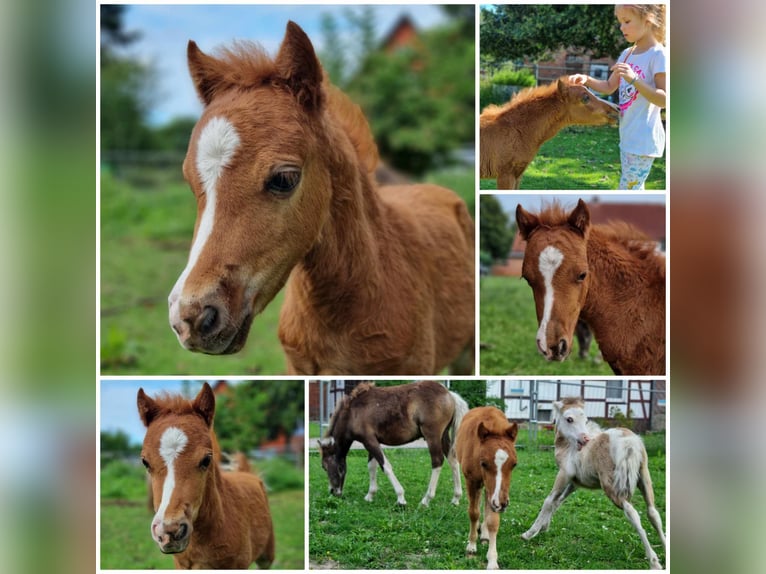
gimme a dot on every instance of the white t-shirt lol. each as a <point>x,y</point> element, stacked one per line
<point>641,131</point>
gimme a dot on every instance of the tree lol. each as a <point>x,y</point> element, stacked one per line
<point>495,232</point>
<point>515,32</point>
<point>126,86</point>
<point>256,411</point>
<point>418,99</point>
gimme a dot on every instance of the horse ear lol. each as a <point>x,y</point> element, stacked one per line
<point>563,86</point>
<point>558,406</point>
<point>482,432</point>
<point>205,73</point>
<point>512,431</point>
<point>204,404</point>
<point>298,66</point>
<point>147,407</point>
<point>526,222</point>
<point>579,219</point>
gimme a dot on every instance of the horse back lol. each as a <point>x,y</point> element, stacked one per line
<point>398,415</point>
<point>435,234</point>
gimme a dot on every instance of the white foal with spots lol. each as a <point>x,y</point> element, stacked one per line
<point>614,460</point>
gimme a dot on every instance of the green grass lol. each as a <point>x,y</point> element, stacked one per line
<point>587,532</point>
<point>125,519</point>
<point>145,238</point>
<point>580,157</point>
<point>508,326</point>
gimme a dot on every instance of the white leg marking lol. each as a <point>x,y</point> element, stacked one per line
<point>431,492</point>
<point>633,518</point>
<point>172,444</point>
<point>457,485</point>
<point>394,482</point>
<point>550,260</point>
<point>372,467</point>
<point>500,458</point>
<point>215,149</point>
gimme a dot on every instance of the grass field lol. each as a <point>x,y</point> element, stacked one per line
<point>125,519</point>
<point>146,233</point>
<point>587,532</point>
<point>581,157</point>
<point>508,325</point>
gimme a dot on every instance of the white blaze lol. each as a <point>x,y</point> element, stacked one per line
<point>216,147</point>
<point>550,260</point>
<point>172,444</point>
<point>500,459</point>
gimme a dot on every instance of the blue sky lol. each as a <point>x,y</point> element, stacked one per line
<point>166,29</point>
<point>118,403</point>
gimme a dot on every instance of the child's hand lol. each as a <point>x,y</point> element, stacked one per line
<point>581,79</point>
<point>625,72</point>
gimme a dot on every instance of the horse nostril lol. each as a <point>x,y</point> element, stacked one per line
<point>207,320</point>
<point>182,530</point>
<point>562,347</point>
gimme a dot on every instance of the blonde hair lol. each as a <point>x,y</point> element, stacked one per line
<point>654,14</point>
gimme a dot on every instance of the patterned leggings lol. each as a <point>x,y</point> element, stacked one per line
<point>635,170</point>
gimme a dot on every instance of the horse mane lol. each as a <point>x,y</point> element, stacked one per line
<point>170,403</point>
<point>532,95</point>
<point>246,65</point>
<point>343,404</point>
<point>572,402</point>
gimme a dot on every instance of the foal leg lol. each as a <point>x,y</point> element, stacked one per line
<point>635,520</point>
<point>372,467</point>
<point>492,524</point>
<point>645,486</point>
<point>431,492</point>
<point>562,487</point>
<point>373,447</point>
<point>457,491</point>
<point>474,492</point>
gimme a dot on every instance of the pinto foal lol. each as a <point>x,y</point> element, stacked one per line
<point>614,460</point>
<point>205,517</point>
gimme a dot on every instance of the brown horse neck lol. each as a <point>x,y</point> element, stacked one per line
<point>345,258</point>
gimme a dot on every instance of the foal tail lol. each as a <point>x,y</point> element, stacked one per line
<point>461,408</point>
<point>629,457</point>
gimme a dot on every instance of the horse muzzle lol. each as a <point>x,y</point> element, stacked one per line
<point>172,538</point>
<point>207,327</point>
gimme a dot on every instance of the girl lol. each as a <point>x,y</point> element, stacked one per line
<point>640,77</point>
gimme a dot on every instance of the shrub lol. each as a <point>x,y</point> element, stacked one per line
<point>521,77</point>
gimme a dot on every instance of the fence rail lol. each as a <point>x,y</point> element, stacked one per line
<point>640,404</point>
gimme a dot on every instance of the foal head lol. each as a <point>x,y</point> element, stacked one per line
<point>584,107</point>
<point>571,421</point>
<point>179,454</point>
<point>257,164</point>
<point>556,268</point>
<point>497,458</point>
<point>333,464</point>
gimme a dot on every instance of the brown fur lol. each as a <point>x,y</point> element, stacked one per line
<point>393,416</point>
<point>622,298</point>
<point>510,135</point>
<point>381,280</point>
<point>229,513</point>
<point>483,431</point>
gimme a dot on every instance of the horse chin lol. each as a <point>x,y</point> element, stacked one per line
<point>176,546</point>
<point>234,344</point>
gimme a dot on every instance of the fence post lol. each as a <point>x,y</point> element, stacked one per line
<point>533,413</point>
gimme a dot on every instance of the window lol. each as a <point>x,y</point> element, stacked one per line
<point>614,390</point>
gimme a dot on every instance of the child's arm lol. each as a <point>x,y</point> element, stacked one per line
<point>656,95</point>
<point>601,86</point>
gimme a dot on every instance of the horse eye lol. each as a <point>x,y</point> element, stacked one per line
<point>585,99</point>
<point>582,276</point>
<point>483,464</point>
<point>205,462</point>
<point>145,463</point>
<point>570,420</point>
<point>283,181</point>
